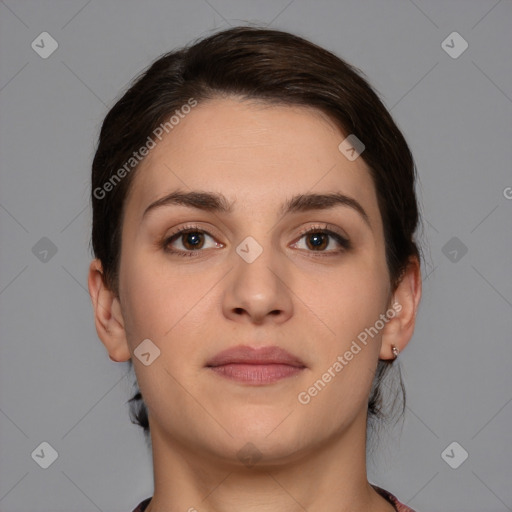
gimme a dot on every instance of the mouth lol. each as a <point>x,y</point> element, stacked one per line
<point>252,366</point>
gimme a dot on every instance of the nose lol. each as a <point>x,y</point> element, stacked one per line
<point>258,289</point>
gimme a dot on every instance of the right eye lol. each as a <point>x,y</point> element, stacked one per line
<point>188,240</point>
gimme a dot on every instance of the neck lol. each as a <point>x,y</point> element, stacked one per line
<point>330,478</point>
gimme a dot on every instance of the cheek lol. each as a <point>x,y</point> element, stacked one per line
<point>348,347</point>
<point>151,307</point>
<point>353,298</point>
<point>165,311</point>
<point>161,303</point>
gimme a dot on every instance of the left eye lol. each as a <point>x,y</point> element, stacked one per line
<point>320,239</point>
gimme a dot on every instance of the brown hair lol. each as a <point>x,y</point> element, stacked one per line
<point>276,67</point>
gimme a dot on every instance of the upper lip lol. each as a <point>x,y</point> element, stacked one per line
<point>244,354</point>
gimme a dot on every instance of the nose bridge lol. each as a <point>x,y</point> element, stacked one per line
<point>258,245</point>
<point>255,263</point>
<point>257,285</point>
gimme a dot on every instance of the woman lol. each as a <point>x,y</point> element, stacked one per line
<point>253,227</point>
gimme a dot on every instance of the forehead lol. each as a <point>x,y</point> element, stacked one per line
<point>252,152</point>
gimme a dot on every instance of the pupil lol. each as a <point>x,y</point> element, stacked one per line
<point>317,239</point>
<point>193,239</point>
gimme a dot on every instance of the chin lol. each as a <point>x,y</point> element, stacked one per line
<point>271,432</point>
<point>264,452</point>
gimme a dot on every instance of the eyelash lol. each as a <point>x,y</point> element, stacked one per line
<point>342,241</point>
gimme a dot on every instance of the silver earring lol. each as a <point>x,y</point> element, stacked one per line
<point>395,351</point>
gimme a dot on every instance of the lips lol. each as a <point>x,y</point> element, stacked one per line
<point>255,366</point>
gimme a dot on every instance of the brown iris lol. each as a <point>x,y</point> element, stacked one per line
<point>193,240</point>
<point>319,241</point>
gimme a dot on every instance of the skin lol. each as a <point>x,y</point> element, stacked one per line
<point>311,303</point>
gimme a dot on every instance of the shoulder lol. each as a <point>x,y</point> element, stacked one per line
<point>142,505</point>
<point>400,507</point>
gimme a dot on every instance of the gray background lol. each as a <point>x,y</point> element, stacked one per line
<point>57,383</point>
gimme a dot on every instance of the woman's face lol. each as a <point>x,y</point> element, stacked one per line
<point>251,277</point>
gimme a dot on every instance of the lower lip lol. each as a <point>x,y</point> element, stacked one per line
<point>256,374</point>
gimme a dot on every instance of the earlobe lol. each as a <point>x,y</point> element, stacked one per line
<point>107,315</point>
<point>399,330</point>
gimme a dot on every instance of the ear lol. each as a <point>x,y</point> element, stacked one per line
<point>107,315</point>
<point>404,302</point>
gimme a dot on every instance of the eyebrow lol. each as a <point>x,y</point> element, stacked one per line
<point>218,203</point>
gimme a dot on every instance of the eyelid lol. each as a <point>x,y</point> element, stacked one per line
<point>324,226</point>
<point>188,228</point>
<point>331,230</point>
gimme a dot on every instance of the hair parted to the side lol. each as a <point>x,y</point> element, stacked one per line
<point>271,66</point>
